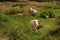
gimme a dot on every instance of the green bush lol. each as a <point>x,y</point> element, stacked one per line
<point>14,11</point>
<point>47,14</point>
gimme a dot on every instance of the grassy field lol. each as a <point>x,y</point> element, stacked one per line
<point>15,18</point>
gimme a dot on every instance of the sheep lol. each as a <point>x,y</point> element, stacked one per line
<point>33,11</point>
<point>34,24</point>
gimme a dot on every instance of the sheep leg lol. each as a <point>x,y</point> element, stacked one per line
<point>35,29</point>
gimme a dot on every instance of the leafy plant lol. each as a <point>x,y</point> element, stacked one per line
<point>47,14</point>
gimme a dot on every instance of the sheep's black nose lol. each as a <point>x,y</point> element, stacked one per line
<point>40,26</point>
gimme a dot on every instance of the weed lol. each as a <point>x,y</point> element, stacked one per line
<point>47,14</point>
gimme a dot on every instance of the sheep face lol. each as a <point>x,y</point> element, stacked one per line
<point>33,11</point>
<point>34,24</point>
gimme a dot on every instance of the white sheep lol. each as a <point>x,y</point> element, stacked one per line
<point>34,24</point>
<point>33,11</point>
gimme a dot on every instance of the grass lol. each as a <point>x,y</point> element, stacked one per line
<point>21,5</point>
<point>23,28</point>
<point>18,27</point>
<point>14,11</point>
<point>49,6</point>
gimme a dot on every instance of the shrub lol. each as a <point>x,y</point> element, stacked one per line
<point>14,11</point>
<point>47,14</point>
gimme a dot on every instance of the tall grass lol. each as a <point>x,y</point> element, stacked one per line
<point>14,11</point>
<point>18,27</point>
<point>50,6</point>
<point>21,5</point>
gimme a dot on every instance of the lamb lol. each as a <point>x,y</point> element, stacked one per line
<point>33,11</point>
<point>34,24</point>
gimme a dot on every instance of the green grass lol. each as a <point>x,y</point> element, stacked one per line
<point>14,11</point>
<point>22,28</point>
<point>19,28</point>
<point>19,4</point>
